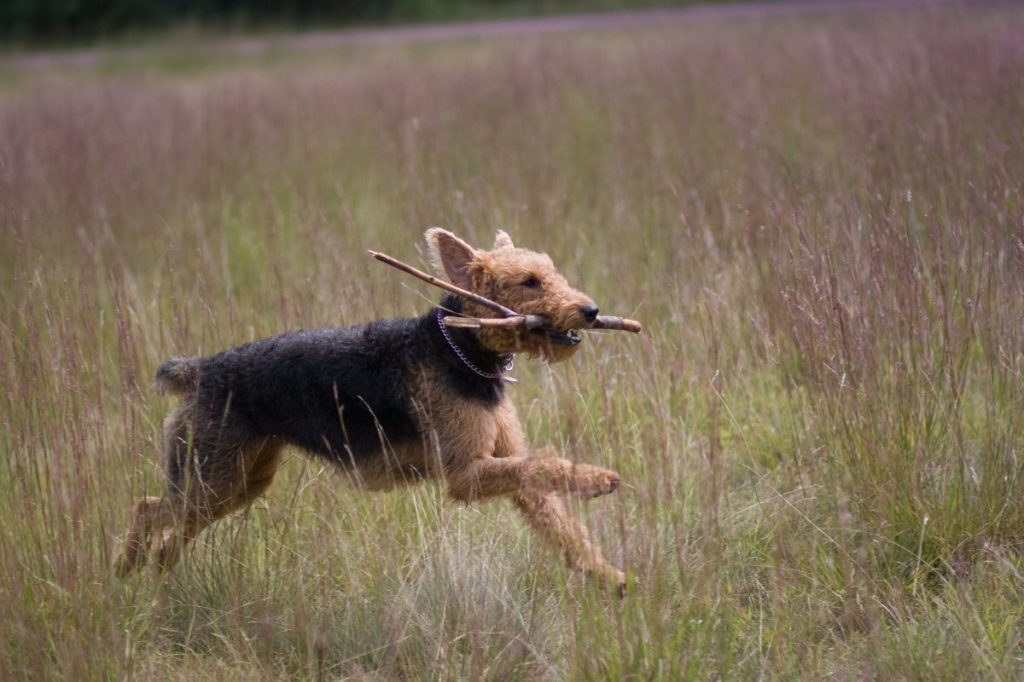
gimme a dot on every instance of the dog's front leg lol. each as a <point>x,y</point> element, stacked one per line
<point>483,454</point>
<point>536,483</point>
<point>491,476</point>
<point>543,469</point>
<point>548,515</point>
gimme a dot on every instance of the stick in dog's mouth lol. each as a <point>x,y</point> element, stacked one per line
<point>538,323</point>
<point>511,318</point>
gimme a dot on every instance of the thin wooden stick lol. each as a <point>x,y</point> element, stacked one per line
<point>623,324</point>
<point>430,279</point>
<point>510,317</point>
<point>525,321</point>
<point>536,322</point>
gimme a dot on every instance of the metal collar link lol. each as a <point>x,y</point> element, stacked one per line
<point>506,363</point>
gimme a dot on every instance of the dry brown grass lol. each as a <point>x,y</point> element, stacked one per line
<point>819,219</point>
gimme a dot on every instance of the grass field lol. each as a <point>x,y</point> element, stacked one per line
<point>820,433</point>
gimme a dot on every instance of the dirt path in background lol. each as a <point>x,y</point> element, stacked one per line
<point>325,40</point>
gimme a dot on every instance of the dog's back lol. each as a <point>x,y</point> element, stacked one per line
<point>339,393</point>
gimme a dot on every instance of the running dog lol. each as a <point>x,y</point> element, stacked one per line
<point>393,402</point>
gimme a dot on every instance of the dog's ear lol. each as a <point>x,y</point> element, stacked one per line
<point>450,255</point>
<point>503,241</point>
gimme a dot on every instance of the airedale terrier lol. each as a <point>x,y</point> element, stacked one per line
<point>393,402</point>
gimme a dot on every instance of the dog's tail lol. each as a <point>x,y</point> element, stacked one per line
<point>178,375</point>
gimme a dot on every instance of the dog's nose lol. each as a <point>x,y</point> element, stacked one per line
<point>589,312</point>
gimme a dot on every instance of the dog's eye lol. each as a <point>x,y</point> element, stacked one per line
<point>531,282</point>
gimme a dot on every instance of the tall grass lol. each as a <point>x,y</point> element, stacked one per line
<point>820,221</point>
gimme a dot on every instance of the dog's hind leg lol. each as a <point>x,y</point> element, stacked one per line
<point>205,471</point>
<point>262,461</point>
<point>224,492</point>
<point>149,515</point>
<point>548,515</point>
<point>176,538</point>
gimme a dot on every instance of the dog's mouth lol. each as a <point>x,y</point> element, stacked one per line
<point>559,338</point>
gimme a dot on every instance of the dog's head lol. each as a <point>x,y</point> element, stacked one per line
<point>522,280</point>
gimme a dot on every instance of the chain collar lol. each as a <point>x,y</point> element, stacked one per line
<point>506,364</point>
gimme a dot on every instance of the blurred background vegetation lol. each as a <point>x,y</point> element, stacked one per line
<point>27,22</point>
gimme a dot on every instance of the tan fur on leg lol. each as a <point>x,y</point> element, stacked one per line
<point>490,476</point>
<point>149,515</point>
<point>548,515</point>
<point>260,462</point>
<point>175,540</point>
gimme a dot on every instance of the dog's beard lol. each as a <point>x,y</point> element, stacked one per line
<point>549,345</point>
<point>557,353</point>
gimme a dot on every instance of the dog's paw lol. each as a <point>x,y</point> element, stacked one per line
<point>617,582</point>
<point>609,578</point>
<point>620,586</point>
<point>592,481</point>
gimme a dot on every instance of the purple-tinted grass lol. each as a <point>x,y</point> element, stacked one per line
<point>819,220</point>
